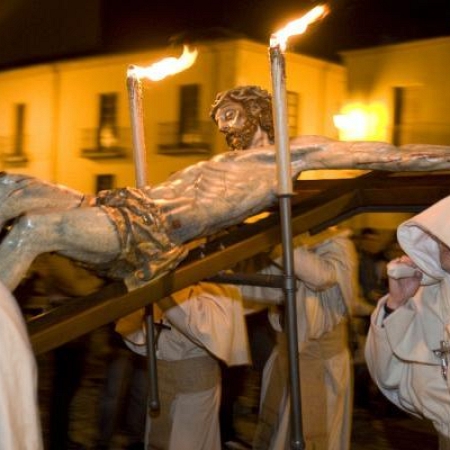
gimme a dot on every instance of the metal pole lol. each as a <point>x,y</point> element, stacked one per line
<point>297,441</point>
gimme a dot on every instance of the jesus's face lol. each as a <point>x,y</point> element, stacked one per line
<point>237,124</point>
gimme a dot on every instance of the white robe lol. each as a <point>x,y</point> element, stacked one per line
<point>326,266</point>
<point>399,349</point>
<point>208,320</point>
<point>20,427</point>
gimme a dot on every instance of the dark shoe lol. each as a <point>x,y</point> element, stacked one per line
<point>136,446</point>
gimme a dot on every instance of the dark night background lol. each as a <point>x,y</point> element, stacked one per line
<point>37,31</point>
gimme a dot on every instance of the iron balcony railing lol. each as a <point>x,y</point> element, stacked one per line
<point>12,150</point>
<point>421,132</point>
<point>105,142</point>
<point>197,138</point>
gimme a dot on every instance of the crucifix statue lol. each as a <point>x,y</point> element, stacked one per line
<point>120,232</point>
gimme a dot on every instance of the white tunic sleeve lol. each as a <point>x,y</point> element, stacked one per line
<point>212,316</point>
<point>384,367</point>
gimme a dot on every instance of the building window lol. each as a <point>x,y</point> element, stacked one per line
<point>293,100</point>
<point>19,132</point>
<point>189,114</point>
<point>104,182</point>
<point>107,127</point>
<point>189,134</point>
<point>107,139</point>
<point>14,154</point>
<point>407,126</point>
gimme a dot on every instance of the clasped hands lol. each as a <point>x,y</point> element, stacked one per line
<point>404,281</point>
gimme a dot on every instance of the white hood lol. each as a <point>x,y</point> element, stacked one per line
<point>414,237</point>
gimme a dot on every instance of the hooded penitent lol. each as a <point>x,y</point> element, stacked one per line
<point>405,351</point>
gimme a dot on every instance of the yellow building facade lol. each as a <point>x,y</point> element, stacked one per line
<point>398,93</point>
<point>69,122</point>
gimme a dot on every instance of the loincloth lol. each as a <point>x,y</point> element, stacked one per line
<point>146,249</point>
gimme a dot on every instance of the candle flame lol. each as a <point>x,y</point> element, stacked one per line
<point>165,67</point>
<point>298,26</point>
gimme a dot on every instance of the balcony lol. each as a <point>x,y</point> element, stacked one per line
<point>198,139</point>
<point>106,143</point>
<point>432,133</point>
<point>11,151</point>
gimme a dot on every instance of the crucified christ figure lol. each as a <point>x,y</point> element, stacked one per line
<point>136,234</point>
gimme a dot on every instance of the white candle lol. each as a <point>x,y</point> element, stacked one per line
<point>279,106</point>
<point>135,97</point>
<point>135,76</point>
<point>278,42</point>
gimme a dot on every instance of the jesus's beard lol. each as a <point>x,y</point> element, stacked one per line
<point>242,138</point>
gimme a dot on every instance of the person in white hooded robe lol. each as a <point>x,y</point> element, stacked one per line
<point>408,344</point>
<point>326,270</point>
<point>199,326</point>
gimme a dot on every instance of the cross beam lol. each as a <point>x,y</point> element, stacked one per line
<point>316,205</point>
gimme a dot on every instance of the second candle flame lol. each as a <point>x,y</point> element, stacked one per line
<point>165,67</point>
<point>297,26</point>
